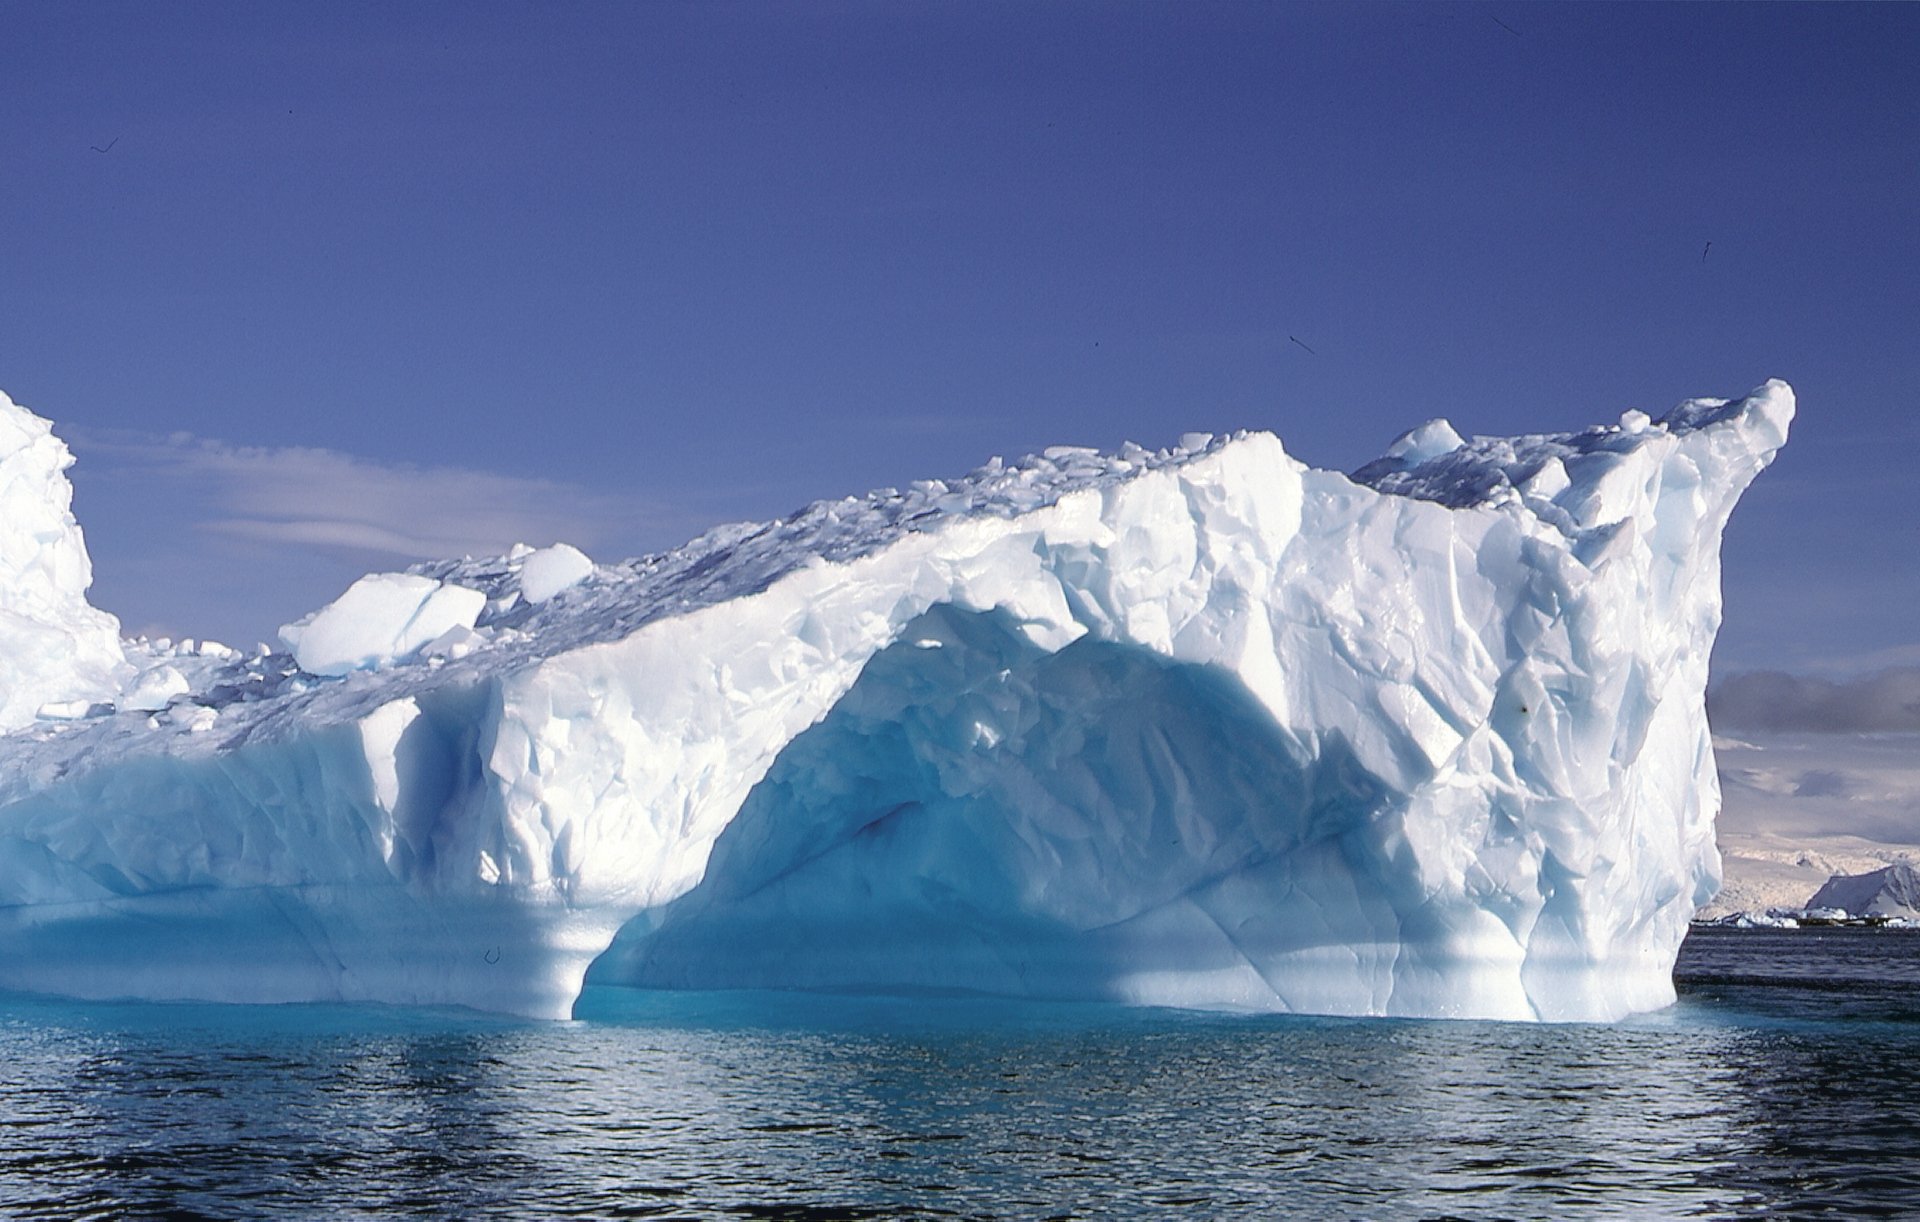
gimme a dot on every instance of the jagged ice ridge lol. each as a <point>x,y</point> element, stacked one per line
<point>1200,726</point>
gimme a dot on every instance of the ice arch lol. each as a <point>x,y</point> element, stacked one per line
<point>979,814</point>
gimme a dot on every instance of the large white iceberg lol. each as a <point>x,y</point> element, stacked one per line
<point>1198,726</point>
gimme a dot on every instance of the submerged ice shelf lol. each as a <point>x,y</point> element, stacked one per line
<point>1200,726</point>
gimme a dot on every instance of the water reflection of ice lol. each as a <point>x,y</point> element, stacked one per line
<point>697,1105</point>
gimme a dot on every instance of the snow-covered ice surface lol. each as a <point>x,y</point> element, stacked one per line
<point>1199,726</point>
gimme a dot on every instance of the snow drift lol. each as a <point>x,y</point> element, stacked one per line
<point>1199,726</point>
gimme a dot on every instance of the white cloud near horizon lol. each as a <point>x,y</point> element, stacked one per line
<point>313,497</point>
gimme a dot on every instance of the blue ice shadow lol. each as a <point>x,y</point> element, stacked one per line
<point>980,815</point>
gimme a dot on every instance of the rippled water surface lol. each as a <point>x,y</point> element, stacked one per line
<point>1783,1083</point>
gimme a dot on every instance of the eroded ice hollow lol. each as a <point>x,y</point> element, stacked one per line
<point>1198,727</point>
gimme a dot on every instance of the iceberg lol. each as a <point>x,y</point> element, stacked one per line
<point>1890,892</point>
<point>1199,726</point>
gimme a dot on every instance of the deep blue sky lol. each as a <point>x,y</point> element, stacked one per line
<point>347,275</point>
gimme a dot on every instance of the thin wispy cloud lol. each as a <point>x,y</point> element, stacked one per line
<point>310,497</point>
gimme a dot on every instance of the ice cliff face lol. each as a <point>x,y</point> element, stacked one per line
<point>1200,726</point>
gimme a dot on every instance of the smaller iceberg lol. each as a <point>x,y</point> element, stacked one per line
<point>1892,892</point>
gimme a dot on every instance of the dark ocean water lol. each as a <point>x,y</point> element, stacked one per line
<point>1783,1084</point>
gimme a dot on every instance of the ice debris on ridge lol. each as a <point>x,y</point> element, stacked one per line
<point>1421,445</point>
<point>155,689</point>
<point>551,571</point>
<point>1198,726</point>
<point>382,618</point>
<point>385,618</point>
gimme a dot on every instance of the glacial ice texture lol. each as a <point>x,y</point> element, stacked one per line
<point>1199,726</point>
